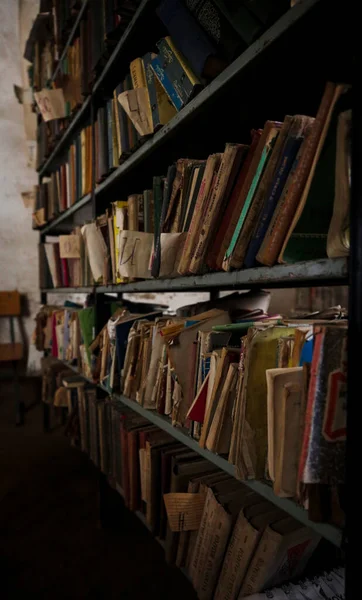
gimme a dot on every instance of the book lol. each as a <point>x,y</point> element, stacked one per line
<point>196,46</point>
<point>270,565</point>
<point>185,82</point>
<point>280,383</point>
<point>162,109</point>
<point>293,189</point>
<point>165,81</point>
<point>307,234</point>
<point>260,157</point>
<point>227,172</point>
<point>338,243</point>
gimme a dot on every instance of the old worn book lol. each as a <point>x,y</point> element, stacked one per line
<point>270,564</point>
<point>234,256</point>
<point>276,380</point>
<point>306,238</point>
<point>219,436</point>
<point>322,461</point>
<point>179,357</point>
<point>223,511</point>
<point>162,109</point>
<point>138,74</point>
<point>260,356</point>
<point>228,356</point>
<point>338,243</point>
<point>293,189</point>
<point>244,539</point>
<point>228,170</point>
<point>181,472</point>
<point>203,198</point>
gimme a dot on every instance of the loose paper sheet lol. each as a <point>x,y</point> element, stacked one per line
<point>51,104</point>
<point>184,511</point>
<point>134,254</point>
<point>69,246</point>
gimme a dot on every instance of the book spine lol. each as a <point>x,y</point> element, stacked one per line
<point>287,159</point>
<point>261,563</point>
<point>152,94</point>
<point>288,202</point>
<point>137,73</point>
<point>123,124</point>
<point>232,258</point>
<point>83,160</point>
<point>166,83</point>
<point>146,211</point>
<point>217,199</point>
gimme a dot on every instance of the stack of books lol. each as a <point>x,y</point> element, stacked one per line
<point>162,82</point>
<point>230,541</point>
<point>266,393</point>
<point>250,205</point>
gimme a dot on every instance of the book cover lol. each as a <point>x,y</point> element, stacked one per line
<point>288,155</point>
<point>180,72</point>
<point>294,186</point>
<point>228,42</point>
<point>229,167</point>
<point>167,188</point>
<point>139,80</point>
<point>212,165</point>
<point>195,46</point>
<point>261,156</point>
<point>162,109</point>
<point>166,82</point>
<point>307,235</point>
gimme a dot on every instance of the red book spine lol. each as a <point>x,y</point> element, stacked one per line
<point>65,272</point>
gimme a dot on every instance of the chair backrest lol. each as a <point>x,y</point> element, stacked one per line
<point>10,304</point>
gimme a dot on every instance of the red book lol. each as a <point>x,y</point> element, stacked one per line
<point>229,221</point>
<point>65,272</point>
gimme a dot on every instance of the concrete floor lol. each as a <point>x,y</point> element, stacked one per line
<point>51,544</point>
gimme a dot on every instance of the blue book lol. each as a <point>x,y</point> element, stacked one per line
<point>183,80</point>
<point>286,160</point>
<point>166,82</point>
<point>152,94</point>
<point>187,34</point>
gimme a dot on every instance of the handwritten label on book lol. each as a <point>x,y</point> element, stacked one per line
<point>51,103</point>
<point>69,246</point>
<point>184,511</point>
<point>134,254</point>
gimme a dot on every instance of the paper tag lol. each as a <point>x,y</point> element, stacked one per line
<point>29,198</point>
<point>184,511</point>
<point>51,103</point>
<point>69,246</point>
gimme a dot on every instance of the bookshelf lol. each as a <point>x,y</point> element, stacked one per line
<point>329,532</point>
<point>297,16</point>
<point>158,151</point>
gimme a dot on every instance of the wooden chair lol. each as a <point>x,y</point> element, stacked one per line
<point>12,352</point>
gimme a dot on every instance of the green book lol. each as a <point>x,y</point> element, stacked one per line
<point>249,198</point>
<point>87,322</point>
<point>308,240</point>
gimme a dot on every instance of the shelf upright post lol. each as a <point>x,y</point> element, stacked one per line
<point>352,508</point>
